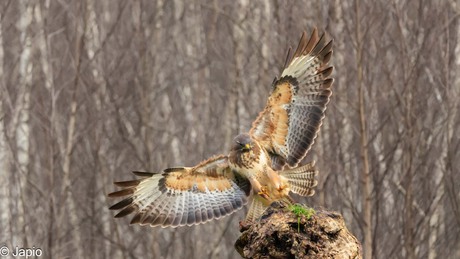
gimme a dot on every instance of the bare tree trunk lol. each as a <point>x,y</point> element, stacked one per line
<point>20,128</point>
<point>235,105</point>
<point>70,142</point>
<point>47,68</point>
<point>4,153</point>
<point>365,173</point>
<point>407,168</point>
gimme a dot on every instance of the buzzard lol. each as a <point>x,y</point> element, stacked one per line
<point>263,162</point>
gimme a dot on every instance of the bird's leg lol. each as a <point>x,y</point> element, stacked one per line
<point>258,188</point>
<point>263,192</point>
<point>275,179</point>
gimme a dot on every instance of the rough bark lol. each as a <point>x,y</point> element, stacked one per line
<point>281,234</point>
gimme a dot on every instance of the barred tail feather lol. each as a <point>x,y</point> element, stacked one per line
<point>255,211</point>
<point>302,179</point>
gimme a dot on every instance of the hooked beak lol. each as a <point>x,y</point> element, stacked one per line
<point>247,147</point>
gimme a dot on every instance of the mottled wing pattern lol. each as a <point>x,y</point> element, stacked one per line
<point>290,122</point>
<point>183,196</point>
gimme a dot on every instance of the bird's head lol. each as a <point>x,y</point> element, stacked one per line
<point>244,152</point>
<point>242,143</point>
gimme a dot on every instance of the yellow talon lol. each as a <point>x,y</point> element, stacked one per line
<point>263,192</point>
<point>281,187</point>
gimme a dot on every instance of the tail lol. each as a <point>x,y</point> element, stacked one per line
<point>302,179</point>
<point>256,210</point>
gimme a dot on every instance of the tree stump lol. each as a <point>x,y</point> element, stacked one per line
<point>280,233</point>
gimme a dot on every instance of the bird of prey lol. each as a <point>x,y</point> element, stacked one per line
<point>262,164</point>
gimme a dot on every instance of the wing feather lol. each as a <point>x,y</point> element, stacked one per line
<point>294,112</point>
<point>183,195</point>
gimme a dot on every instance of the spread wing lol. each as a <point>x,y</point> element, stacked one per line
<point>183,196</point>
<point>290,122</point>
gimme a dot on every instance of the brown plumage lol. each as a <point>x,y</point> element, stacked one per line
<point>280,138</point>
<point>290,122</point>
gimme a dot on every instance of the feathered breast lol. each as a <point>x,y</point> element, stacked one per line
<point>245,159</point>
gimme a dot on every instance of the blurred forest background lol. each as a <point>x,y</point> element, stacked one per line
<point>93,89</point>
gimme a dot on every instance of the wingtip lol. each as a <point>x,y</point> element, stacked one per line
<point>314,30</point>
<point>130,183</point>
<point>142,173</point>
<point>300,46</point>
<point>313,44</point>
<point>125,211</point>
<point>122,204</point>
<point>136,219</point>
<point>174,169</point>
<point>121,193</point>
<point>288,57</point>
